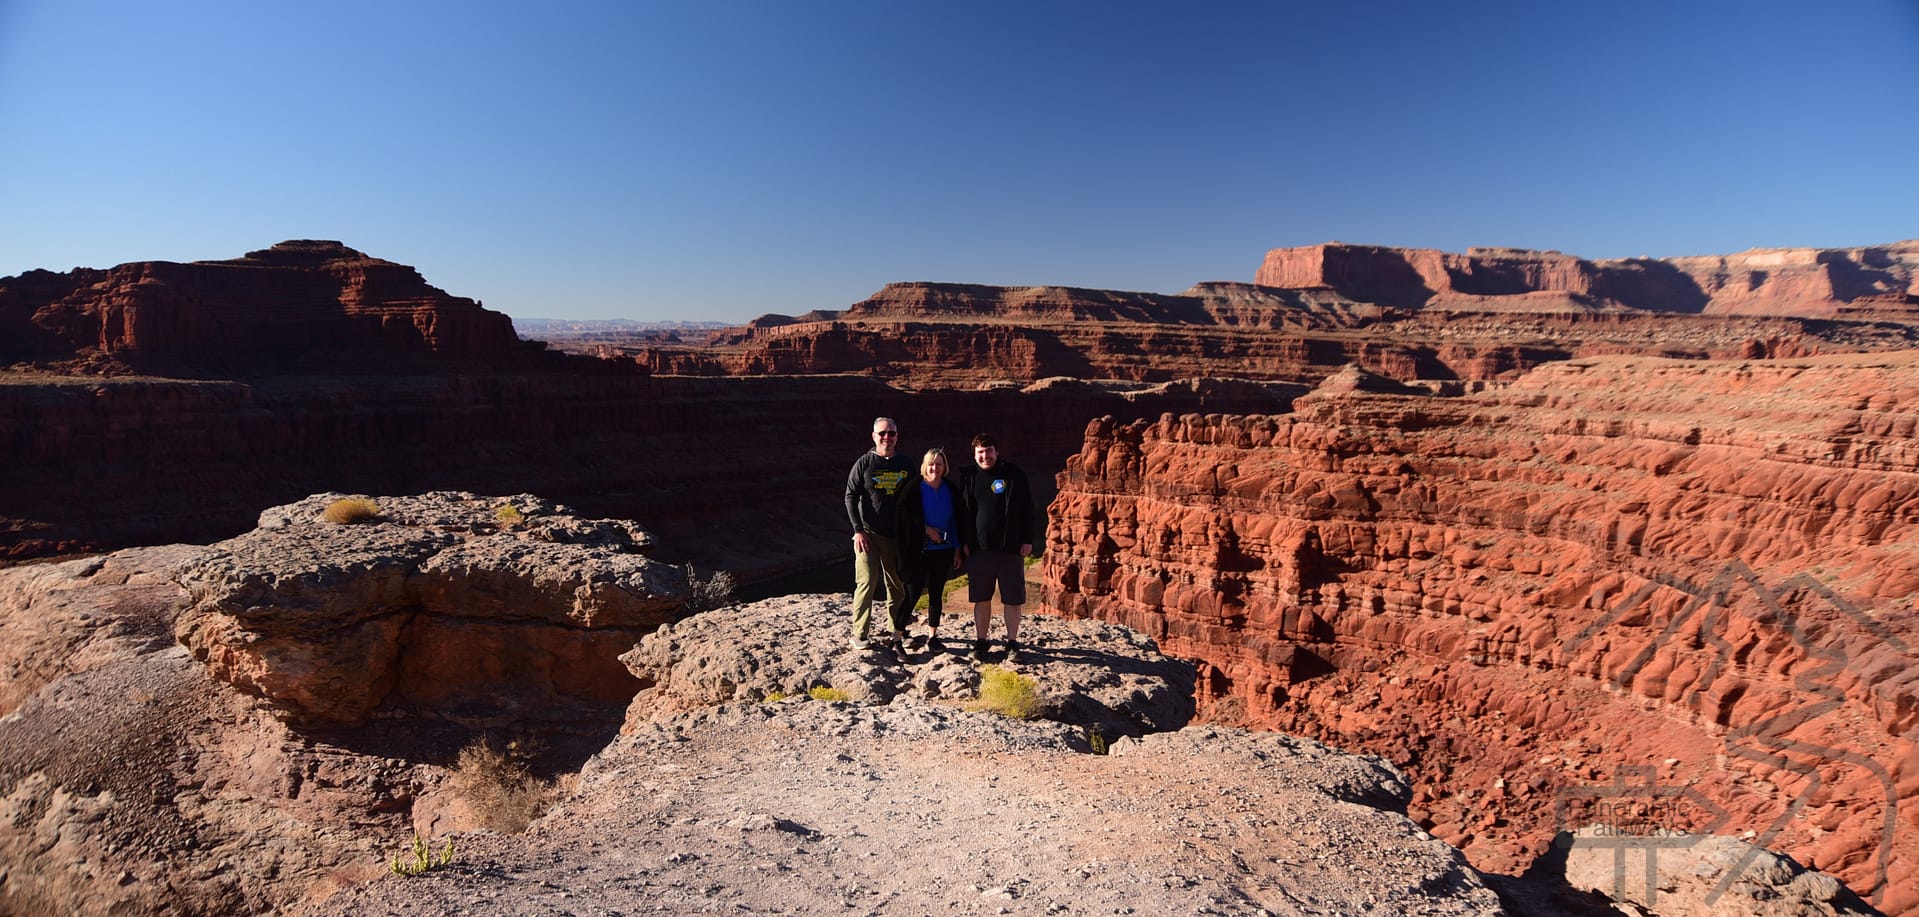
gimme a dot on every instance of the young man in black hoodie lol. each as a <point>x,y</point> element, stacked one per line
<point>1000,506</point>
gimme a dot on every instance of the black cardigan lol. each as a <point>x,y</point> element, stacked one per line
<point>910,528</point>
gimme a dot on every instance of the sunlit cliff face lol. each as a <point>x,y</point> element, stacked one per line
<point>1616,570</point>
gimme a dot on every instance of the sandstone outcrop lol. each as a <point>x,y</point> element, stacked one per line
<point>1608,578</point>
<point>1873,281</point>
<point>132,782</point>
<point>1702,876</point>
<point>311,304</point>
<point>491,611</point>
<point>905,802</point>
<point>1092,675</point>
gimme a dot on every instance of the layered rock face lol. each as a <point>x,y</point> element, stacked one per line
<point>1612,582</point>
<point>715,464</point>
<point>1873,281</point>
<point>940,335</point>
<point>312,303</point>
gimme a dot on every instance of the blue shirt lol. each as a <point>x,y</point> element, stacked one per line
<point>938,502</point>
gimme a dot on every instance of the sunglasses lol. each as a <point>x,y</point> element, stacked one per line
<point>886,432</point>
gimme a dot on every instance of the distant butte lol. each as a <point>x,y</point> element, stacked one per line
<point>1880,281</point>
<point>302,304</point>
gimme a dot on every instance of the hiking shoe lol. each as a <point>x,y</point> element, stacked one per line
<point>933,644</point>
<point>979,651</point>
<point>860,643</point>
<point>1012,651</point>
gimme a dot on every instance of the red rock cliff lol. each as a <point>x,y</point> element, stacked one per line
<point>318,302</point>
<point>943,335</point>
<point>1611,573</point>
<point>1878,280</point>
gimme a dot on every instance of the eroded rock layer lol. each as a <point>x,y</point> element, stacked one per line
<point>1878,280</point>
<point>933,335</point>
<point>1611,581</point>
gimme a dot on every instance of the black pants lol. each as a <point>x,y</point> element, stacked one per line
<point>939,568</point>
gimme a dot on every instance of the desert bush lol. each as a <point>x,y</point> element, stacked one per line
<point>707,593</point>
<point>509,515</point>
<point>421,858</point>
<point>350,510</point>
<point>499,785</point>
<point>1007,693</point>
<point>822,692</point>
<point>773,697</point>
<point>1096,739</point>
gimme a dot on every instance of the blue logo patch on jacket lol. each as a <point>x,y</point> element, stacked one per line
<point>999,485</point>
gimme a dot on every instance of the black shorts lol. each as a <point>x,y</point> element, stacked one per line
<point>987,569</point>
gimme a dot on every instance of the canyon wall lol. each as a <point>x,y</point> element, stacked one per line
<point>742,474</point>
<point>940,335</point>
<point>1685,586</point>
<point>306,303</point>
<point>1881,280</point>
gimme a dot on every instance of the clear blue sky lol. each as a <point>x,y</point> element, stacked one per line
<point>719,160</point>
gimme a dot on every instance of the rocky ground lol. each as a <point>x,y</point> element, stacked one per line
<point>169,745</point>
<point>906,801</point>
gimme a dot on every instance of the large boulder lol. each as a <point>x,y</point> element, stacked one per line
<point>444,603</point>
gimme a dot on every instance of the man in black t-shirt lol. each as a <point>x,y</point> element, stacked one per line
<point>1000,507</point>
<point>872,499</point>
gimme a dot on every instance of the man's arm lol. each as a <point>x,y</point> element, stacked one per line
<point>1022,510</point>
<point>856,492</point>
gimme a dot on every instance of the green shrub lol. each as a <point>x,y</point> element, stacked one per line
<point>773,697</point>
<point>509,515</point>
<point>1007,693</point>
<point>422,858</point>
<point>351,510</point>
<point>821,692</point>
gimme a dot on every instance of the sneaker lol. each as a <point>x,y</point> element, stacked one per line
<point>979,651</point>
<point>860,643</point>
<point>933,644</point>
<point>1012,651</point>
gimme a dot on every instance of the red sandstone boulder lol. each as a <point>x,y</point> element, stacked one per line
<point>440,607</point>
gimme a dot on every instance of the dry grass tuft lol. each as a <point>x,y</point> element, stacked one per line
<point>707,593</point>
<point>351,510</point>
<point>502,790</point>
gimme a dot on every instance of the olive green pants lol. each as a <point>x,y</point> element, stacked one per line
<point>879,564</point>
